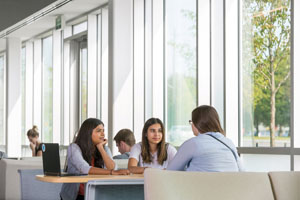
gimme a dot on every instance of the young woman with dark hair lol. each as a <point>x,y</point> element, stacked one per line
<point>35,143</point>
<point>88,155</point>
<point>210,150</point>
<point>153,150</point>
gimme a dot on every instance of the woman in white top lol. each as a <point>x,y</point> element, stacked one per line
<point>152,151</point>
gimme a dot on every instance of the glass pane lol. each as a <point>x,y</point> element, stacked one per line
<point>265,73</point>
<point>2,96</point>
<point>79,27</point>
<point>83,67</point>
<point>180,68</point>
<point>265,163</point>
<point>23,70</point>
<point>47,126</point>
<point>297,163</point>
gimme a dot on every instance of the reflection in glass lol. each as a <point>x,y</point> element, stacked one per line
<point>47,119</point>
<point>83,86</point>
<point>265,73</point>
<point>2,96</point>
<point>23,71</point>
<point>180,68</point>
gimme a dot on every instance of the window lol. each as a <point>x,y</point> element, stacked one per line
<point>83,84</point>
<point>2,97</point>
<point>181,72</point>
<point>47,100</point>
<point>23,93</point>
<point>265,73</point>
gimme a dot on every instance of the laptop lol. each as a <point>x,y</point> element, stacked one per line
<point>51,161</point>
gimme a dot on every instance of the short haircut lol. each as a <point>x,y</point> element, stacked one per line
<point>126,136</point>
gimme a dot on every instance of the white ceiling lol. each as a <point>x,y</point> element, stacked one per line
<point>70,11</point>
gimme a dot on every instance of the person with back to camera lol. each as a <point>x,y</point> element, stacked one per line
<point>152,151</point>
<point>88,155</point>
<point>210,150</point>
<point>124,140</point>
<point>35,143</point>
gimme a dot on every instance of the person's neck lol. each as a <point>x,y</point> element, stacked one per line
<point>153,148</point>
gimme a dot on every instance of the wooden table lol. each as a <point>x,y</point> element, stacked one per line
<point>85,179</point>
<point>104,186</point>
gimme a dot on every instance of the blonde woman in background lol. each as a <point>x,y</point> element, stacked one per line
<point>35,143</point>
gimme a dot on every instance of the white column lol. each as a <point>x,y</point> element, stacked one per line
<point>296,79</point>
<point>104,66</point>
<point>139,70</point>
<point>13,97</point>
<point>204,52</point>
<point>29,87</point>
<point>120,67</point>
<point>92,67</point>
<point>66,94</point>
<point>231,70</point>
<point>217,57</point>
<point>57,52</point>
<point>148,60</point>
<point>37,84</point>
<point>158,60</point>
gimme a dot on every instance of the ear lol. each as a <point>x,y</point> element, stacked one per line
<point>122,144</point>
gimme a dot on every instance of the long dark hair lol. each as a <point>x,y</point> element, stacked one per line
<point>84,141</point>
<point>161,147</point>
<point>206,119</point>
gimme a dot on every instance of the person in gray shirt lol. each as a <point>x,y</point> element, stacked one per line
<point>88,155</point>
<point>124,140</point>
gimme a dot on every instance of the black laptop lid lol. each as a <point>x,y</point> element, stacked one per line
<point>51,161</point>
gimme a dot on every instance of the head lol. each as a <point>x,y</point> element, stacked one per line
<point>124,140</point>
<point>90,134</point>
<point>33,134</point>
<point>206,119</point>
<point>154,134</point>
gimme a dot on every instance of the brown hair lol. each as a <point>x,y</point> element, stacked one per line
<point>161,147</point>
<point>206,119</point>
<point>33,132</point>
<point>126,136</point>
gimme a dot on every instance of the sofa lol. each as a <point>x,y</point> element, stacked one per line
<point>178,185</point>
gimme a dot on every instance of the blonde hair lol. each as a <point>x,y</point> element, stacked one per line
<point>33,132</point>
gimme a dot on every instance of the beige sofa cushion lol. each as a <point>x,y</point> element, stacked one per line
<point>163,184</point>
<point>10,178</point>
<point>286,185</point>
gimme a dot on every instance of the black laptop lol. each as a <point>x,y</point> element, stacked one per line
<point>51,161</point>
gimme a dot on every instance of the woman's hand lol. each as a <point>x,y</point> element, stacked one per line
<point>32,146</point>
<point>120,172</point>
<point>101,144</point>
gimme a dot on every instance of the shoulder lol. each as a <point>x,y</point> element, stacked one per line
<point>170,148</point>
<point>137,146</point>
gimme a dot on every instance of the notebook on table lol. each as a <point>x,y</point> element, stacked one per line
<point>51,161</point>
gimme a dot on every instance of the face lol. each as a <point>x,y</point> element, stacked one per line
<point>121,147</point>
<point>98,134</point>
<point>154,134</point>
<point>195,130</point>
<point>32,139</point>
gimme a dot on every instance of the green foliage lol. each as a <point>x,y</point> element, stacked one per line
<point>270,68</point>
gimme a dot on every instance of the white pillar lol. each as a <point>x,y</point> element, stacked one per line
<point>29,87</point>
<point>57,52</point>
<point>120,67</point>
<point>92,67</point>
<point>13,98</point>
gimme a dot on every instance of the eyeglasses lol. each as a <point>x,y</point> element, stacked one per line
<point>190,122</point>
